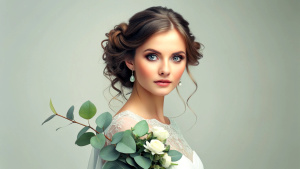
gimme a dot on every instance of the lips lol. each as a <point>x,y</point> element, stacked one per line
<point>162,83</point>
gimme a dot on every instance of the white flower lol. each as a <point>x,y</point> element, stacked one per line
<point>160,133</point>
<point>166,160</point>
<point>155,147</point>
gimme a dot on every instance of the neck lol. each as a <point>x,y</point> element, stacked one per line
<point>145,104</point>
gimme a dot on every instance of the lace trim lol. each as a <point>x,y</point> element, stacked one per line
<point>127,119</point>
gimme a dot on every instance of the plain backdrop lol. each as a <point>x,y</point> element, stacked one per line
<point>247,102</point>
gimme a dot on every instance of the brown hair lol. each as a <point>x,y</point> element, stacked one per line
<point>123,40</point>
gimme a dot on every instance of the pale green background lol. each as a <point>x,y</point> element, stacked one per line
<point>247,103</point>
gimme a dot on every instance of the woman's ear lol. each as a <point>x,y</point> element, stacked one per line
<point>130,64</point>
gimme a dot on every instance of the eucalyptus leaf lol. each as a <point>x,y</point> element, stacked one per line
<point>109,153</point>
<point>175,155</point>
<point>52,107</point>
<point>117,137</point>
<point>70,113</point>
<point>84,139</point>
<point>98,141</point>
<point>83,130</point>
<point>142,161</point>
<point>115,165</point>
<point>63,126</point>
<point>134,154</point>
<point>141,128</point>
<point>141,149</point>
<point>151,156</point>
<point>87,110</point>
<point>130,161</point>
<point>122,159</point>
<point>127,144</point>
<point>49,118</point>
<point>99,129</point>
<point>104,120</point>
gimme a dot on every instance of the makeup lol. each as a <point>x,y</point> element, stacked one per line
<point>163,83</point>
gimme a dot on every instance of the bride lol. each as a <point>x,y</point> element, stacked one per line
<point>149,55</point>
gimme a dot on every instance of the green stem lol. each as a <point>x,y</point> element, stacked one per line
<point>73,121</point>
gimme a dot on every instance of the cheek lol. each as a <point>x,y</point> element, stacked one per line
<point>178,73</point>
<point>144,70</point>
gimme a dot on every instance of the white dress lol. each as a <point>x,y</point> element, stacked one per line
<point>127,119</point>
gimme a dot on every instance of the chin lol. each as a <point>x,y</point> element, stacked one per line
<point>161,93</point>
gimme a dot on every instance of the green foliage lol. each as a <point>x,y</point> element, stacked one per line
<point>83,130</point>
<point>150,156</point>
<point>157,157</point>
<point>117,137</point>
<point>167,148</point>
<point>127,147</point>
<point>100,130</point>
<point>98,141</point>
<point>87,110</point>
<point>134,154</point>
<point>130,161</point>
<point>49,118</point>
<point>141,128</point>
<point>104,120</point>
<point>115,164</point>
<point>109,153</point>
<point>122,157</point>
<point>63,126</point>
<point>142,161</point>
<point>52,108</point>
<point>127,144</point>
<point>175,155</point>
<point>84,139</point>
<point>70,113</point>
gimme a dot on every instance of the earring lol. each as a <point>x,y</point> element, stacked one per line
<point>179,84</point>
<point>132,79</point>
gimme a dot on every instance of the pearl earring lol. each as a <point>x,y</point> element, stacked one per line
<point>179,84</point>
<point>132,79</point>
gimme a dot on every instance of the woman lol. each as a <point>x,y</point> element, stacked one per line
<point>149,55</point>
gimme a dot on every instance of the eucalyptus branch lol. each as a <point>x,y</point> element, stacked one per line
<point>73,121</point>
<point>137,141</point>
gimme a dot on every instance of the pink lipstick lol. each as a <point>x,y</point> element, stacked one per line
<point>162,82</point>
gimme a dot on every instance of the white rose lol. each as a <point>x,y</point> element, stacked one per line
<point>160,133</point>
<point>166,160</point>
<point>155,147</point>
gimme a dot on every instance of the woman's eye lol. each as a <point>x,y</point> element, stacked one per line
<point>151,57</point>
<point>177,58</point>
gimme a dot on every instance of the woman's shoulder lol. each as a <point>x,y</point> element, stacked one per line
<point>126,116</point>
<point>132,117</point>
<point>122,121</point>
<point>127,119</point>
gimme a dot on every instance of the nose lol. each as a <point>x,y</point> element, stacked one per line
<point>164,69</point>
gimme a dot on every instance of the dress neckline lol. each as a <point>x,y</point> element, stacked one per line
<point>170,127</point>
<point>130,112</point>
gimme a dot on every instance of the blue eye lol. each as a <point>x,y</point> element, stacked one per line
<point>177,58</point>
<point>151,57</point>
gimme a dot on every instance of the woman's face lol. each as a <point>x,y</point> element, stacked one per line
<point>160,62</point>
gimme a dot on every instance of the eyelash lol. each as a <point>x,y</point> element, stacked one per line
<point>153,54</point>
<point>179,56</point>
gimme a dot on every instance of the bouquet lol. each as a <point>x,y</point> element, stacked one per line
<point>135,148</point>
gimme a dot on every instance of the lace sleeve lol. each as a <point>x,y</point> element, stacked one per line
<point>120,124</point>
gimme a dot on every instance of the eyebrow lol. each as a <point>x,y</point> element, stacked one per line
<point>155,51</point>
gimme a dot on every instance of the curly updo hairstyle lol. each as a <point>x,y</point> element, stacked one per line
<point>123,40</point>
